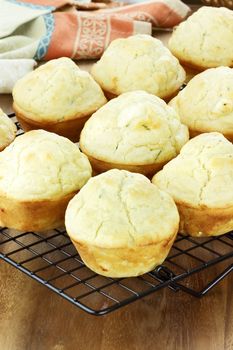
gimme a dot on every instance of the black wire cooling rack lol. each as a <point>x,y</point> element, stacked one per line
<point>51,259</point>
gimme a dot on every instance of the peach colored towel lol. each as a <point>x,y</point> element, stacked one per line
<point>84,34</point>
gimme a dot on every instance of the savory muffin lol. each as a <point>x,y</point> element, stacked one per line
<point>136,131</point>
<point>139,62</point>
<point>205,39</point>
<point>7,130</point>
<point>57,97</point>
<point>200,180</point>
<point>121,224</point>
<point>206,103</point>
<point>39,173</point>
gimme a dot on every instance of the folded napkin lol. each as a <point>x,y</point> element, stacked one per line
<point>47,29</point>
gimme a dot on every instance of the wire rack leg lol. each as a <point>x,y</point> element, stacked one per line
<point>209,286</point>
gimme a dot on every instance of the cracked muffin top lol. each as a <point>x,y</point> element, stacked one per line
<point>120,209</point>
<point>135,128</point>
<point>139,62</point>
<point>57,91</point>
<point>41,165</point>
<point>205,39</point>
<point>202,174</point>
<point>206,103</point>
<point>7,130</point>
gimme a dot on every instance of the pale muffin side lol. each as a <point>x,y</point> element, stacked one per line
<point>39,173</point>
<point>200,180</point>
<point>205,39</point>
<point>139,62</point>
<point>206,103</point>
<point>7,130</point>
<point>136,129</point>
<point>57,97</point>
<point>121,224</point>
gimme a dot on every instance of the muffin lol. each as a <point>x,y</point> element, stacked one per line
<point>58,97</point>
<point>205,39</point>
<point>200,180</point>
<point>206,103</point>
<point>7,130</point>
<point>136,131</point>
<point>39,173</point>
<point>139,62</point>
<point>121,224</point>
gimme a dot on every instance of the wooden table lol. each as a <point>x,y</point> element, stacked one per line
<point>34,318</point>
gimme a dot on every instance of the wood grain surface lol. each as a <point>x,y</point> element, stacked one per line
<point>34,318</point>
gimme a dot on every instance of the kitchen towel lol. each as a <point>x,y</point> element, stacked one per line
<point>12,70</point>
<point>47,29</point>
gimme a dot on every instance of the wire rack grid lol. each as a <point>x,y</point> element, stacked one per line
<point>51,259</point>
